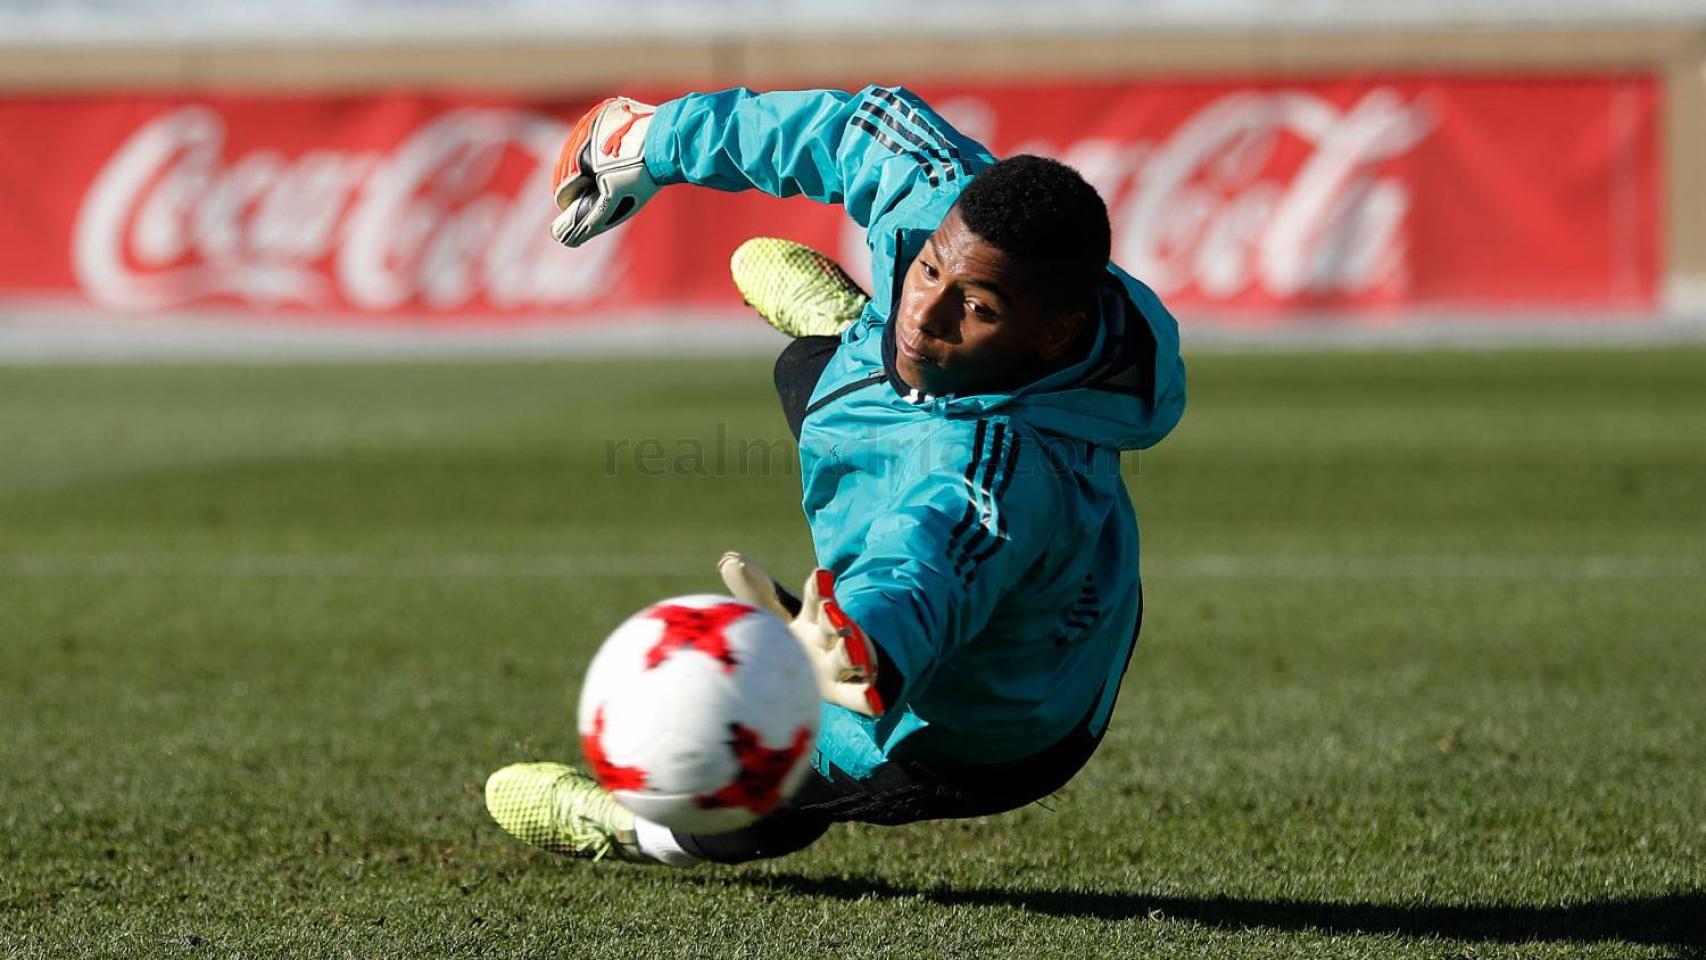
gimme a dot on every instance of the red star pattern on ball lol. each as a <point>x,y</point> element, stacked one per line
<point>695,628</point>
<point>613,776</point>
<point>758,785</point>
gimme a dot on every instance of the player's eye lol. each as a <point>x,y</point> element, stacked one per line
<point>980,310</point>
<point>928,270</point>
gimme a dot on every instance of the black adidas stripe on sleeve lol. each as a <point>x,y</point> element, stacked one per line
<point>883,139</point>
<point>919,121</point>
<point>987,478</point>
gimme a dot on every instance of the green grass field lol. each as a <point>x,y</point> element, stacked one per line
<point>1423,673</point>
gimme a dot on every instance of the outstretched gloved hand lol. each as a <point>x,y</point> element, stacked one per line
<point>601,177</point>
<point>844,658</point>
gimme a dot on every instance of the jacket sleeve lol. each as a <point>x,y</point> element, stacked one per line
<point>868,150</point>
<point>936,565</point>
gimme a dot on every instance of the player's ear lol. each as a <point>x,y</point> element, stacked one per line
<point>1060,333</point>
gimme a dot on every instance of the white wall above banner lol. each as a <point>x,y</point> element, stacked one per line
<point>46,23</point>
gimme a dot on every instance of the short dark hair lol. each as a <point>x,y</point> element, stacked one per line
<point>1044,214</point>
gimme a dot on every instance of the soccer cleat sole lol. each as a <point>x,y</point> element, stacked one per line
<point>796,289</point>
<point>557,808</point>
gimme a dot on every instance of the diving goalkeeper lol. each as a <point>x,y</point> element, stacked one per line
<point>960,434</point>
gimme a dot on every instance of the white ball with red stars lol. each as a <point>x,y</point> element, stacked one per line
<point>700,713</point>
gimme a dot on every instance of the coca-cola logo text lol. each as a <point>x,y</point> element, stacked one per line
<point>1206,209</point>
<point>432,224</point>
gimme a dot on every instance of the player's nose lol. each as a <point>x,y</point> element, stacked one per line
<point>938,315</point>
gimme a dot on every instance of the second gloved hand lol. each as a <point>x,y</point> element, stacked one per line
<point>601,177</point>
<point>843,657</point>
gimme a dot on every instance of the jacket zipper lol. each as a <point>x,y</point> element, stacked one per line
<point>844,390</point>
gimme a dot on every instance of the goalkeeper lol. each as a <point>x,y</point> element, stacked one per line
<point>959,435</point>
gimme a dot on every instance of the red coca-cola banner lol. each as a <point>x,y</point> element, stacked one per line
<point>1248,197</point>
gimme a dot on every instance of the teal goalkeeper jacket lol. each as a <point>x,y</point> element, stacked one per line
<point>986,543</point>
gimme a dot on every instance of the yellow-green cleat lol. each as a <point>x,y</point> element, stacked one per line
<point>555,807</point>
<point>794,288</point>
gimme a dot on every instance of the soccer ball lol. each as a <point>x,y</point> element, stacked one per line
<point>700,713</point>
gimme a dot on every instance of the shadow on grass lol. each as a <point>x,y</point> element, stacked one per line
<point>1674,920</point>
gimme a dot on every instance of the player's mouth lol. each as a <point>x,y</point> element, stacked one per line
<point>910,351</point>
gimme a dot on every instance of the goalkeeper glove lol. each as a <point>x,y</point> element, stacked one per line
<point>844,659</point>
<point>601,176</point>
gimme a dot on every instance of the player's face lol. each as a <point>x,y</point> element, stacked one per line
<point>968,320</point>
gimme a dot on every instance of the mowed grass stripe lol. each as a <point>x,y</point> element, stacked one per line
<point>489,566</point>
